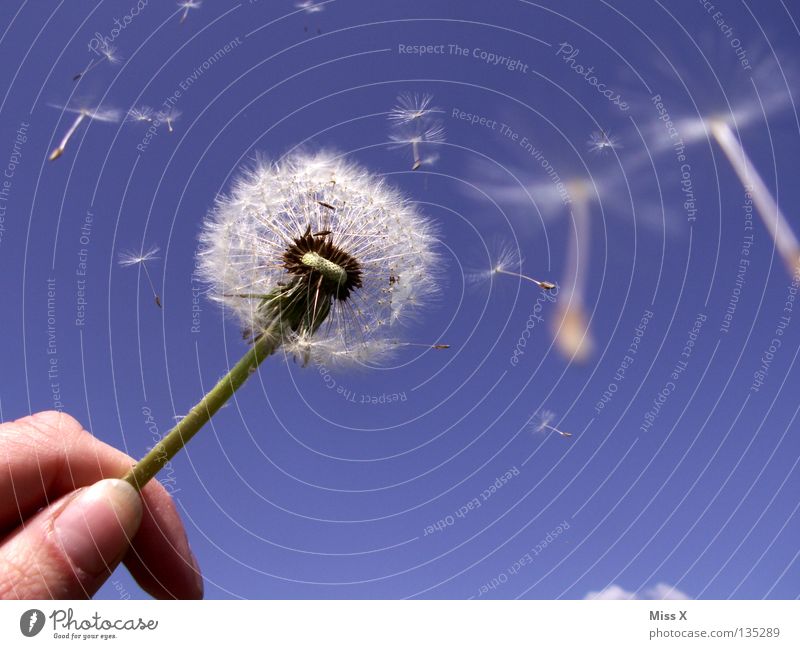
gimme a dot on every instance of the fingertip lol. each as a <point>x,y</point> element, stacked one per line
<point>96,527</point>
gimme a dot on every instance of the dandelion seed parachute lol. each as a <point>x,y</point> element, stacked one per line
<point>140,114</point>
<point>412,108</point>
<point>600,142</point>
<point>187,6</point>
<point>276,229</point>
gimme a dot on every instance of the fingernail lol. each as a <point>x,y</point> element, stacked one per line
<point>95,528</point>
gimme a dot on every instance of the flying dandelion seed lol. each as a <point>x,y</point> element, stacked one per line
<point>310,7</point>
<point>542,421</point>
<point>601,142</point>
<point>508,261</point>
<point>327,286</point>
<point>743,102</point>
<point>187,6</point>
<point>128,259</point>
<point>778,226</point>
<point>169,116</point>
<point>83,113</point>
<point>571,327</point>
<point>140,114</point>
<point>416,138</point>
<point>107,53</point>
<point>412,108</point>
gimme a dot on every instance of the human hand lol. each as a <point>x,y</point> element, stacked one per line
<point>61,538</point>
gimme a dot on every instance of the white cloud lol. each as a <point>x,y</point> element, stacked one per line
<point>659,591</point>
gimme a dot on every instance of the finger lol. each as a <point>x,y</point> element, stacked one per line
<point>46,456</point>
<point>51,455</point>
<point>69,549</point>
<point>161,560</point>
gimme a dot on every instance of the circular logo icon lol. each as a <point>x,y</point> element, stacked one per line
<point>31,622</point>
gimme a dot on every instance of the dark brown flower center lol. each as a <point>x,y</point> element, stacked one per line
<point>324,265</point>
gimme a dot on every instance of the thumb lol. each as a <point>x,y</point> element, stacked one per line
<point>70,548</point>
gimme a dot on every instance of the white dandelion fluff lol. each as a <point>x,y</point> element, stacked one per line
<point>312,243</point>
<point>542,421</point>
<point>416,137</point>
<point>310,7</point>
<point>315,256</point>
<point>107,52</point>
<point>506,261</point>
<point>169,116</point>
<point>187,6</point>
<point>412,108</point>
<point>140,114</point>
<point>602,142</point>
<point>141,258</point>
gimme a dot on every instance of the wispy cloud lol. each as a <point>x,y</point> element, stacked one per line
<point>659,591</point>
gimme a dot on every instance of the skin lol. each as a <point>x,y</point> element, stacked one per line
<point>66,522</point>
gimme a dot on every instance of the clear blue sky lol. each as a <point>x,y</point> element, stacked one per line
<point>305,488</point>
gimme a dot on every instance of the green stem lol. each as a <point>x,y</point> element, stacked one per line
<point>180,435</point>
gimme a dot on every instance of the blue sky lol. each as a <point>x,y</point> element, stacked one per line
<point>359,484</point>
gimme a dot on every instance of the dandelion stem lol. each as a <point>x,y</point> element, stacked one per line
<point>785,241</point>
<point>179,436</point>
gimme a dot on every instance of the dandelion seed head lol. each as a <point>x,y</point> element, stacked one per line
<point>412,108</point>
<point>130,258</point>
<point>370,260</point>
